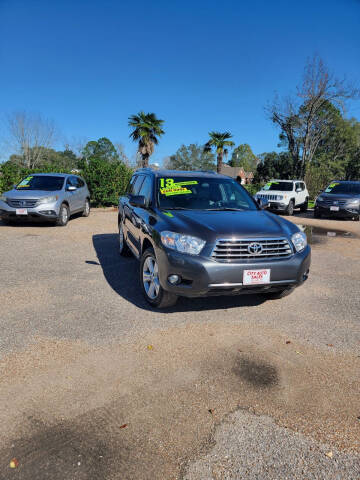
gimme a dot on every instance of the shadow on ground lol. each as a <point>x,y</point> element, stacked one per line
<point>34,222</point>
<point>122,274</point>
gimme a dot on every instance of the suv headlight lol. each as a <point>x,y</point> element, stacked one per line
<point>353,203</point>
<point>50,199</point>
<point>182,243</point>
<point>320,198</point>
<point>279,197</point>
<point>299,240</point>
<point>3,198</point>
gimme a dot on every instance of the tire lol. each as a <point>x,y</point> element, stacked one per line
<point>317,214</point>
<point>153,292</point>
<point>124,250</point>
<point>304,206</point>
<point>86,211</point>
<point>64,215</point>
<point>290,208</point>
<point>7,221</point>
<point>280,294</point>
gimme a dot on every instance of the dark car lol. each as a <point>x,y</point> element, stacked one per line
<point>340,199</point>
<point>200,234</point>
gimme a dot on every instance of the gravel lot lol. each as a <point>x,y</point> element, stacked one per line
<point>95,384</point>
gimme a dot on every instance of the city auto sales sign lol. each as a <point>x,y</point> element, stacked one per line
<point>256,277</point>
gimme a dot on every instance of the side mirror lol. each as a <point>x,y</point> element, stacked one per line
<point>71,188</point>
<point>261,202</point>
<point>138,201</point>
<point>298,190</point>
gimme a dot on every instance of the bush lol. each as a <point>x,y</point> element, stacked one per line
<point>252,188</point>
<point>106,180</point>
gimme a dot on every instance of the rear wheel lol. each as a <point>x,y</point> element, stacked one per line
<point>64,215</point>
<point>124,250</point>
<point>304,206</point>
<point>86,211</point>
<point>280,294</point>
<point>149,279</point>
<point>290,208</point>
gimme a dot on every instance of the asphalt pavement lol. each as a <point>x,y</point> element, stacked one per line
<point>96,384</point>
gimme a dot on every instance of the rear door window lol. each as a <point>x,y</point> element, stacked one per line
<point>146,189</point>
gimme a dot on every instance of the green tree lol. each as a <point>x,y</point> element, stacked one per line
<point>274,165</point>
<point>244,157</point>
<point>220,141</point>
<point>191,157</point>
<point>102,148</point>
<point>353,167</point>
<point>147,130</point>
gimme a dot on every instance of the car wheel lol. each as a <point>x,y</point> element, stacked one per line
<point>280,294</point>
<point>86,211</point>
<point>317,214</point>
<point>304,207</point>
<point>124,250</point>
<point>7,221</point>
<point>149,279</point>
<point>290,208</point>
<point>64,215</point>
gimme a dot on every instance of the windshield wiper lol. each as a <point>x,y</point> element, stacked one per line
<point>175,208</point>
<point>226,209</point>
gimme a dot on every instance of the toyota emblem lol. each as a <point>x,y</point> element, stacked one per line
<point>255,248</point>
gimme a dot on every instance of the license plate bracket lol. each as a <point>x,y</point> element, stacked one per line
<point>21,211</point>
<point>256,277</point>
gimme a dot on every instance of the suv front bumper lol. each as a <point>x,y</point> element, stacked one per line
<point>342,212</point>
<point>44,211</point>
<point>202,276</point>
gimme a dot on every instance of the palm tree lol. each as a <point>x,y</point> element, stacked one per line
<point>219,141</point>
<point>147,129</point>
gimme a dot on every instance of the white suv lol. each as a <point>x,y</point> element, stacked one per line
<point>285,195</point>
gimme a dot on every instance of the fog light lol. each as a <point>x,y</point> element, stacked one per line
<point>174,279</point>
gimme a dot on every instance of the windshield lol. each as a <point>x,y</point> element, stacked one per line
<point>347,188</point>
<point>197,193</point>
<point>44,182</point>
<point>280,186</point>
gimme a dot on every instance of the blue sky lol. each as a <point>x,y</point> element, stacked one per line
<point>199,65</point>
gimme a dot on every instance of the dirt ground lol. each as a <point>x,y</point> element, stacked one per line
<point>96,385</point>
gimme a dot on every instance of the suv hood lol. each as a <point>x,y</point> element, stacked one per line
<point>30,194</point>
<point>273,192</point>
<point>339,196</point>
<point>225,224</point>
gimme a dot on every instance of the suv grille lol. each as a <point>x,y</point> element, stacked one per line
<point>21,203</point>
<point>329,201</point>
<point>267,197</point>
<point>230,250</point>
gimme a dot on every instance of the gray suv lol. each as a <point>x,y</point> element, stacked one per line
<point>46,196</point>
<point>200,234</point>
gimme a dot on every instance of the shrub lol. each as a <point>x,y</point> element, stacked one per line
<point>106,180</point>
<point>252,188</point>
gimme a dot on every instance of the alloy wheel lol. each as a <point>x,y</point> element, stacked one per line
<point>151,278</point>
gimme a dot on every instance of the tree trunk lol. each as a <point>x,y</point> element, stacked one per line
<point>145,160</point>
<point>219,161</point>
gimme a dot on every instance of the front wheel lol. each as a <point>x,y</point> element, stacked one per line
<point>86,211</point>
<point>150,283</point>
<point>64,215</point>
<point>317,214</point>
<point>290,208</point>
